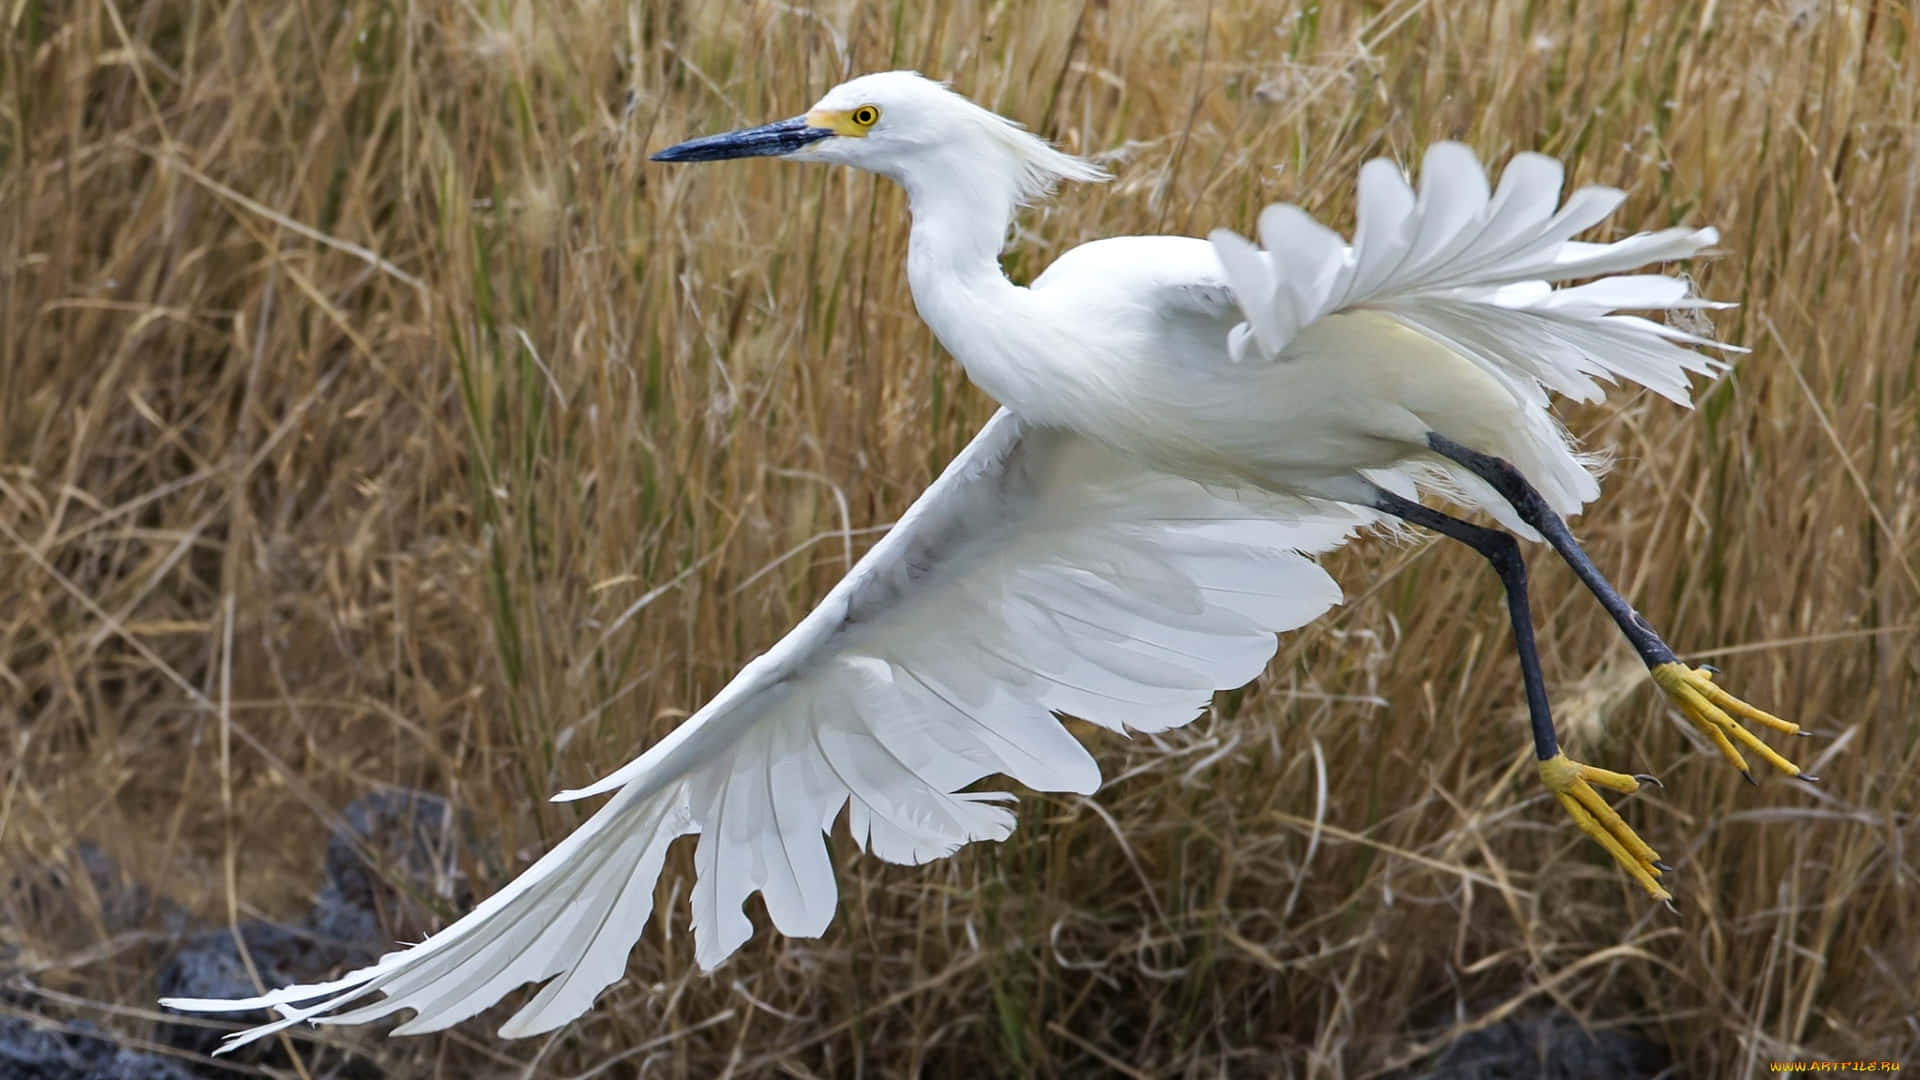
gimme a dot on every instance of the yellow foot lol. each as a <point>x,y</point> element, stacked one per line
<point>1571,783</point>
<point>1713,711</point>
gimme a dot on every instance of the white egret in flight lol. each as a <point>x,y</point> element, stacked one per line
<point>1185,423</point>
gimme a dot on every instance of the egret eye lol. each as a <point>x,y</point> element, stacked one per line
<point>866,115</point>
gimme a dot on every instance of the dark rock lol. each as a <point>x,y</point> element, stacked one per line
<point>395,857</point>
<point>127,1064</point>
<point>125,904</point>
<point>392,850</point>
<point>1548,1046</point>
<point>414,838</point>
<point>209,965</point>
<point>65,892</point>
<point>387,837</point>
<point>30,1052</point>
<point>24,1048</point>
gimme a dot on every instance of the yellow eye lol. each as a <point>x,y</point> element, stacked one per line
<point>866,115</point>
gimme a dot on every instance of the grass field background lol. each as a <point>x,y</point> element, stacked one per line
<point>373,413</point>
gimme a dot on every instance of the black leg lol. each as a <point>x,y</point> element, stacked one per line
<point>1534,510</point>
<point>1570,781</point>
<point>1504,553</point>
<point>1709,707</point>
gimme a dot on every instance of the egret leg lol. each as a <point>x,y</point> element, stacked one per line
<point>1709,707</point>
<point>1570,781</point>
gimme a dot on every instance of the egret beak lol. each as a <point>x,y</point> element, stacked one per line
<point>767,140</point>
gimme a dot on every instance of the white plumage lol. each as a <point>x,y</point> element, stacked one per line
<point>1186,424</point>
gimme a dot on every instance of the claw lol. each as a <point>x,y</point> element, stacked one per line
<point>1649,778</point>
<point>1572,784</point>
<point>1719,714</point>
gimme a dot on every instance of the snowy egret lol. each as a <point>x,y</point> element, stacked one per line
<point>1185,423</point>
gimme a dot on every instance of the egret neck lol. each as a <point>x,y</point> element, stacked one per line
<point>961,214</point>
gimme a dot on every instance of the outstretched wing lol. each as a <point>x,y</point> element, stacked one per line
<point>1041,573</point>
<point>1472,269</point>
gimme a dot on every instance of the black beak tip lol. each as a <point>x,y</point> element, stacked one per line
<point>692,150</point>
<point>695,150</point>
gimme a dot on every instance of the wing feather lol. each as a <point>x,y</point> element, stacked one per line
<point>1474,271</point>
<point>1453,244</point>
<point>1041,574</point>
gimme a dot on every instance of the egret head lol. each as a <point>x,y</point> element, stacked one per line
<point>910,129</point>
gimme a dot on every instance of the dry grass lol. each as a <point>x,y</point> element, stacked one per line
<point>374,413</point>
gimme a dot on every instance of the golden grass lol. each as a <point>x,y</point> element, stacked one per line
<point>374,413</point>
